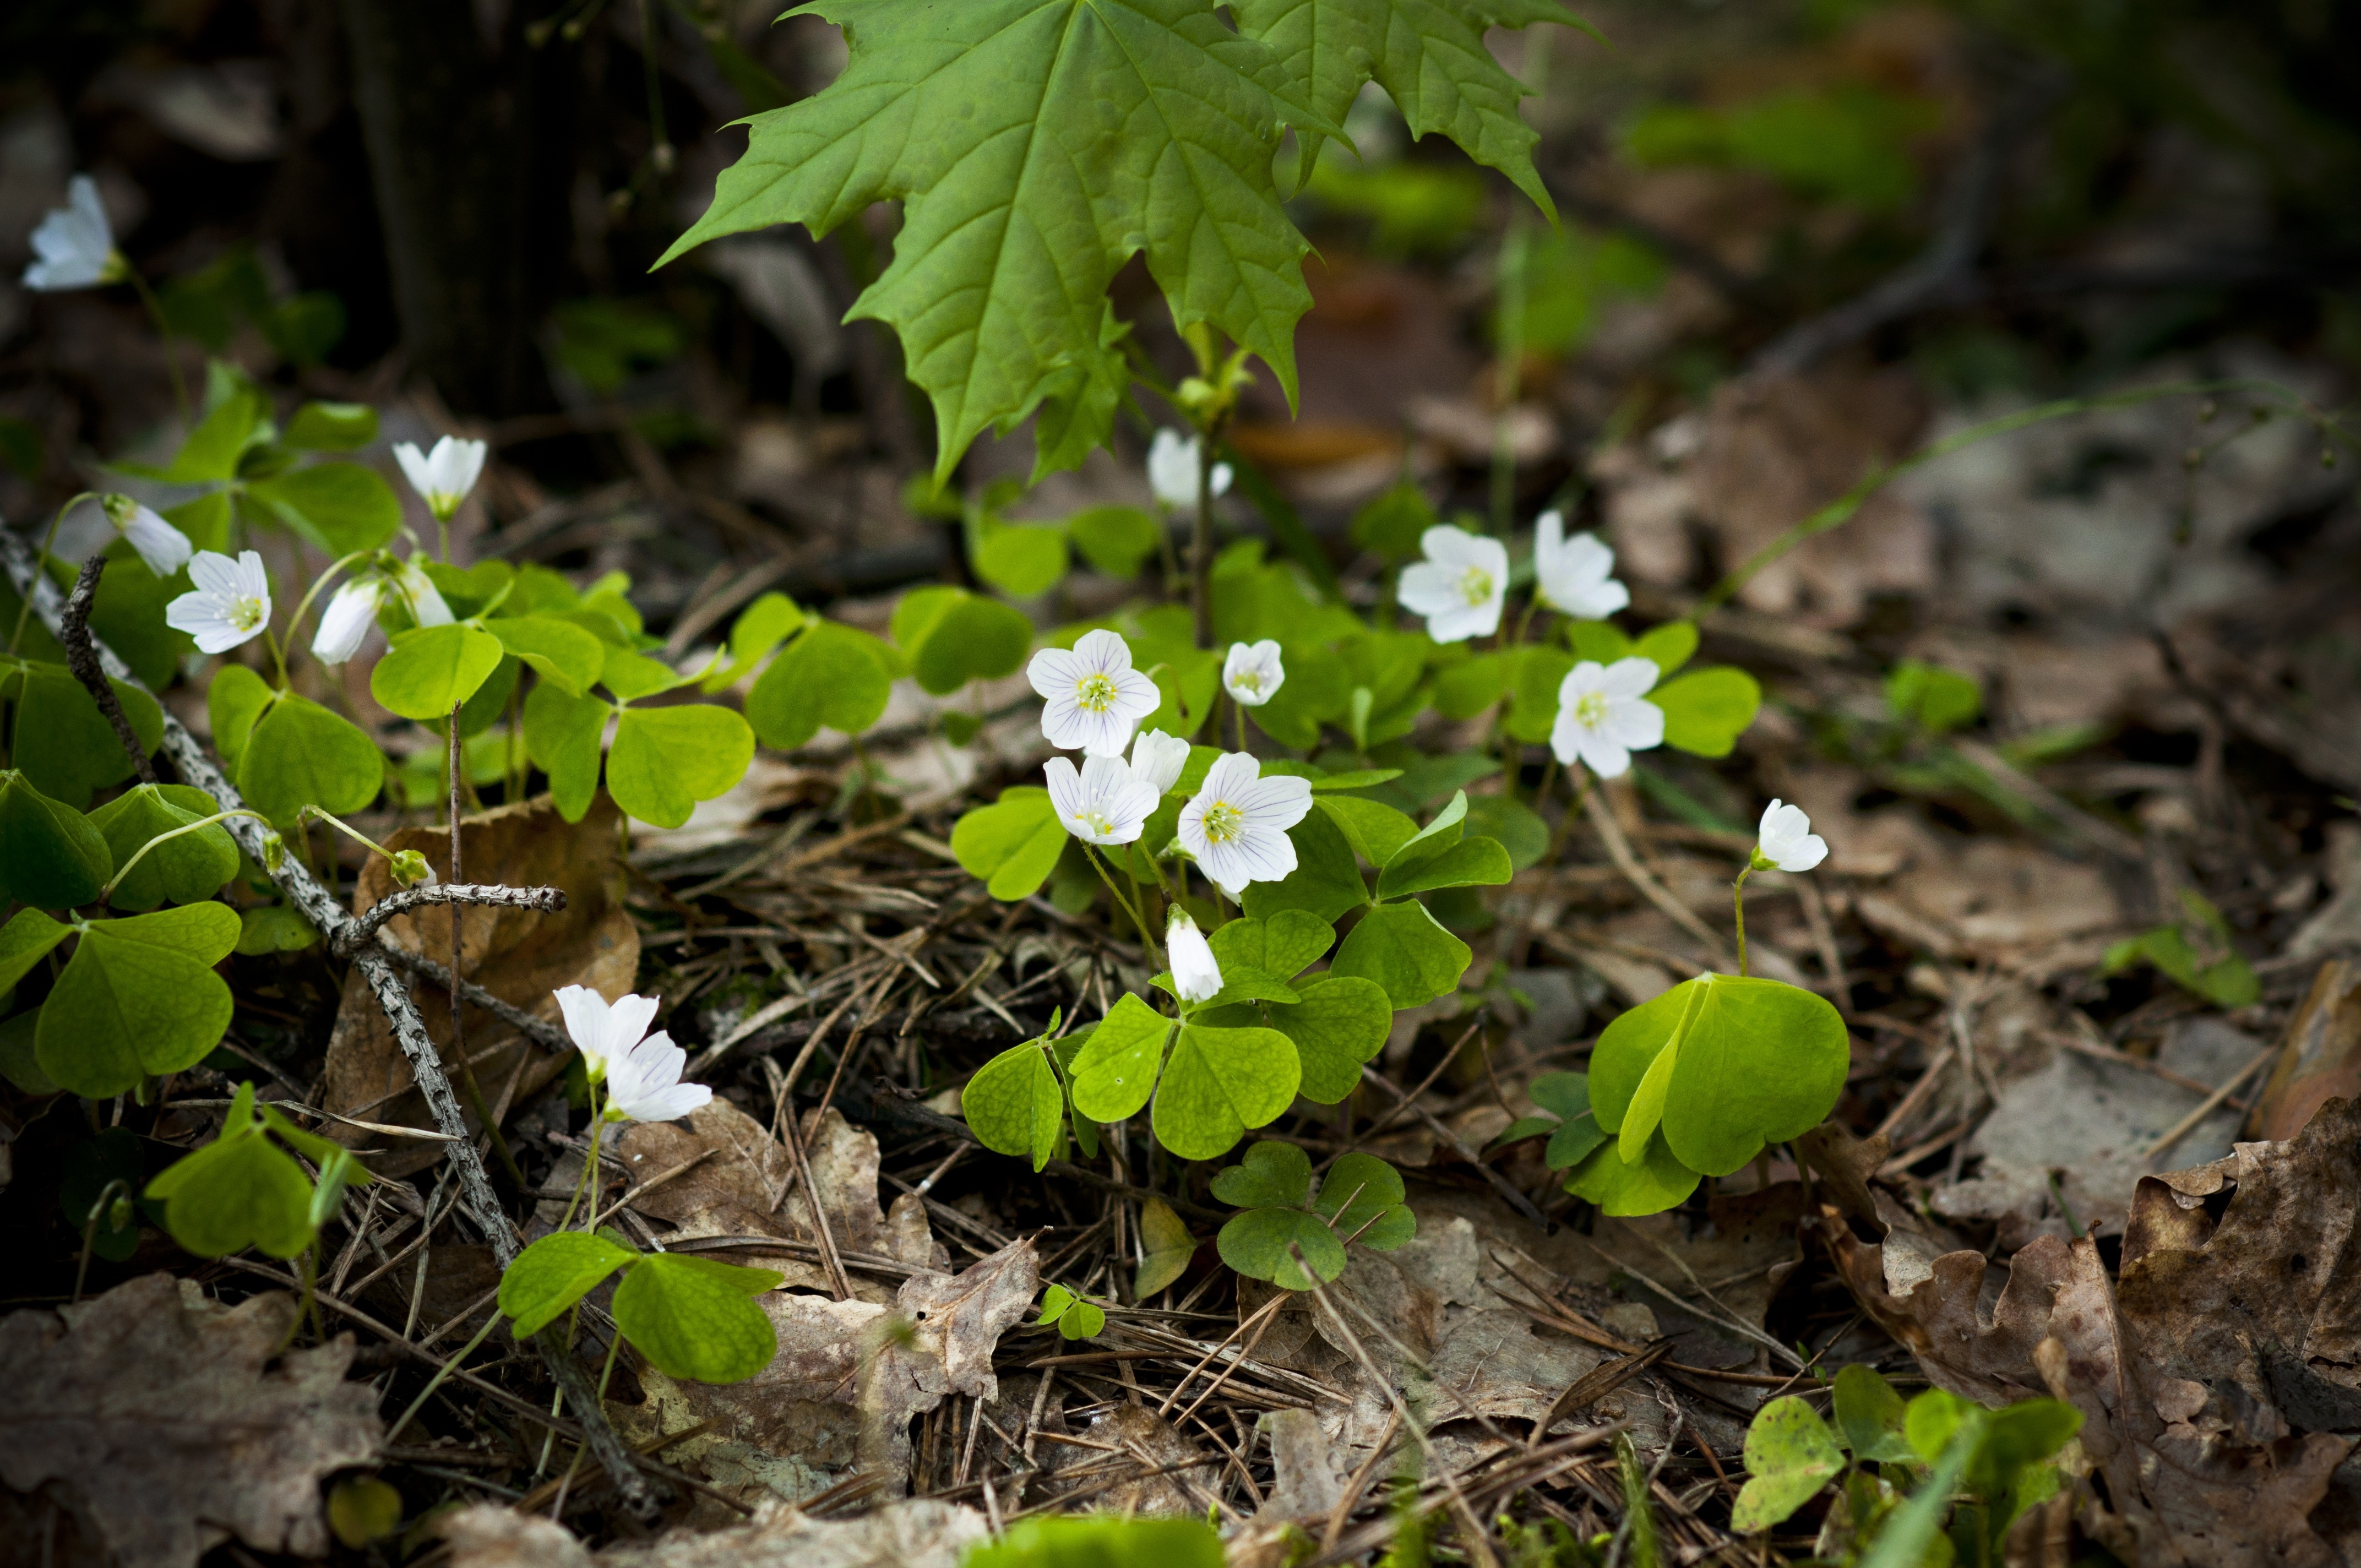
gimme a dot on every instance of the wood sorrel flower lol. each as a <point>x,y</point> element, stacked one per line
<point>1252,675</point>
<point>1785,840</point>
<point>1196,975</point>
<point>1106,803</point>
<point>1458,587</point>
<point>74,246</point>
<point>644,1083</point>
<point>444,477</point>
<point>1091,698</point>
<point>1603,717</point>
<point>1575,575</point>
<point>1173,470</point>
<point>229,604</point>
<point>164,549</point>
<point>603,1031</point>
<point>1235,828</point>
<point>1157,759</point>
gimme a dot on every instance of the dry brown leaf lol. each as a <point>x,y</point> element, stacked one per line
<point>847,1379</point>
<point>2321,1059</point>
<point>2211,1384</point>
<point>150,1409</point>
<point>1151,1443</point>
<point>916,1533</point>
<point>520,955</point>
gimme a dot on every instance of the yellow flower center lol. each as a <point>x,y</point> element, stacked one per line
<point>1094,693</point>
<point>1224,822</point>
<point>1248,681</point>
<point>1094,822</point>
<point>245,614</point>
<point>1474,585</point>
<point>1590,709</point>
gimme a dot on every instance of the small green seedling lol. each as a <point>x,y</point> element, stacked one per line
<point>1071,1315</point>
<point>691,1316</point>
<point>1100,1541</point>
<point>2195,955</point>
<point>1360,1200</point>
<point>244,1190</point>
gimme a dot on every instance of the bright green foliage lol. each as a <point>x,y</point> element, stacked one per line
<point>558,650</point>
<point>693,1317</point>
<point>1574,1131</point>
<point>50,854</point>
<point>1017,1101</point>
<point>332,427</point>
<point>1072,1317</point>
<point>1707,710</point>
<point>554,1273</point>
<point>1869,1413</point>
<point>1165,1247</point>
<point>336,507</point>
<point>1848,143</point>
<point>1116,1070</point>
<point>243,1189</point>
<point>1401,947</point>
<point>666,759</point>
<point>1219,1083</point>
<point>1325,882</point>
<point>233,702</point>
<point>1338,1023</point>
<point>273,929</point>
<point>24,941</point>
<point>1037,145</point>
<point>1012,845</point>
<point>1619,1186</point>
<point>138,997</point>
<point>1117,540</point>
<point>60,741</point>
<point>1722,1066</point>
<point>1021,559</point>
<point>1360,1199</point>
<point>182,870</point>
<point>1096,1540</point>
<point>1937,700</point>
<point>429,671</point>
<point>562,735</point>
<point>2207,965</point>
<point>832,674</point>
<point>951,637</point>
<point>1790,1455</point>
<point>299,754</point>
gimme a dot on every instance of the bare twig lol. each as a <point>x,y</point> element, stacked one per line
<point>73,635</point>
<point>362,928</point>
<point>1619,849</point>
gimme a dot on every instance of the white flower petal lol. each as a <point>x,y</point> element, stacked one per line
<point>352,610</point>
<point>1157,759</point>
<point>1253,672</point>
<point>414,467</point>
<point>1628,678</point>
<point>163,548</point>
<point>1637,725</point>
<point>1196,974</point>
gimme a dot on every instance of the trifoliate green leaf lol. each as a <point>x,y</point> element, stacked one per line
<point>1015,1105</point>
<point>1037,147</point>
<point>761,627</point>
<point>338,507</point>
<point>1071,1316</point>
<point>183,869</point>
<point>1327,881</point>
<point>429,671</point>
<point>1651,1187</point>
<point>555,1272</point>
<point>1283,945</point>
<point>240,1191</point>
<point>1373,829</point>
<point>1516,826</point>
<point>1790,1455</point>
<point>138,997</point>
<point>695,1318</point>
<point>1567,1096</point>
<point>560,651</point>
<point>1707,710</point>
<point>1219,1083</point>
<point>332,427</point>
<point>1021,559</point>
<point>952,637</point>
<point>562,735</point>
<point>1723,1066</point>
<point>666,759</point>
<point>1115,1072</point>
<point>1429,54</point>
<point>50,854</point>
<point>1117,540</point>
<point>1398,946</point>
<point>273,929</point>
<point>832,674</point>
<point>1360,1199</point>
<point>1361,1196</point>
<point>1471,863</point>
<point>301,754</point>
<point>1868,1414</point>
<point>1338,1023</point>
<point>1012,845</point>
<point>24,941</point>
<point>65,746</point>
<point>233,702</point>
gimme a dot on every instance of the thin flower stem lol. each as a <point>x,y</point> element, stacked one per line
<point>491,1322</point>
<point>163,330</point>
<point>25,605</point>
<point>1129,908</point>
<point>1240,709</point>
<point>589,1160</point>
<point>347,829</point>
<point>1738,909</point>
<point>277,659</point>
<point>125,870</point>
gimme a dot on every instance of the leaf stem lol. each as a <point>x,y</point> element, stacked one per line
<point>491,1322</point>
<point>25,605</point>
<point>125,870</point>
<point>277,659</point>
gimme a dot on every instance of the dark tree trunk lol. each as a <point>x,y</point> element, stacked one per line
<point>469,133</point>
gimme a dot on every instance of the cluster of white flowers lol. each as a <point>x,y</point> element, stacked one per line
<point>642,1071</point>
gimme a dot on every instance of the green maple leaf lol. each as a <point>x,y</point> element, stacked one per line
<point>1037,146</point>
<point>1428,54</point>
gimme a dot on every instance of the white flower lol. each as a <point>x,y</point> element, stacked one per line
<point>444,477</point>
<point>1173,470</point>
<point>351,612</point>
<point>1787,839</point>
<point>1236,827</point>
<point>1252,673</point>
<point>1106,803</point>
<point>1195,973</point>
<point>644,1083</point>
<point>74,246</point>
<point>230,603</point>
<point>164,548</point>
<point>417,591</point>
<point>1458,586</point>
<point>1602,717</point>
<point>1576,574</point>
<point>1157,759</point>
<point>603,1031</point>
<point>1092,697</point>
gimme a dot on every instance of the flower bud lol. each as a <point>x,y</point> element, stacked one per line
<point>274,852</point>
<point>410,869</point>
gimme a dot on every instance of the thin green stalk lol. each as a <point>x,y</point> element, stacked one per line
<point>277,659</point>
<point>1099,865</point>
<point>1240,709</point>
<point>125,870</point>
<point>589,1160</point>
<point>25,605</point>
<point>1738,912</point>
<point>163,330</point>
<point>491,1322</point>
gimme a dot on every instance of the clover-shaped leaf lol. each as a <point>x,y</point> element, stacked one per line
<point>1071,1316</point>
<point>562,736</point>
<point>1219,1083</point>
<point>952,637</point>
<point>181,870</point>
<point>760,628</point>
<point>1707,710</point>
<point>1566,1097</point>
<point>338,507</point>
<point>50,854</point>
<point>832,674</point>
<point>666,759</point>
<point>1014,1103</point>
<point>24,941</point>
<point>1360,1199</point>
<point>300,755</point>
<point>554,1273</point>
<point>1019,558</point>
<point>560,651</point>
<point>1012,845</point>
<point>1338,1023</point>
<point>1722,1066</point>
<point>1868,1414</point>
<point>1114,1071</point>
<point>1657,1182</point>
<point>1401,947</point>
<point>1283,945</point>
<point>233,702</point>
<point>1373,829</point>
<point>1790,1455</point>
<point>138,997</point>
<point>693,1317</point>
<point>64,745</point>
<point>1117,540</point>
<point>240,1191</point>
<point>429,671</point>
